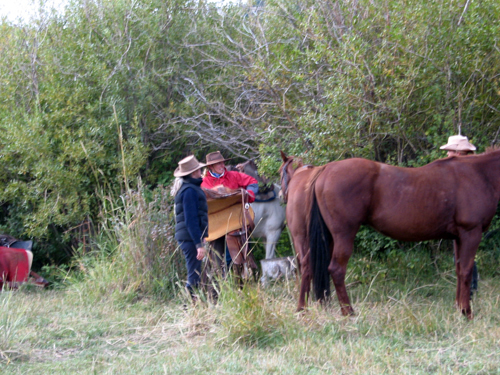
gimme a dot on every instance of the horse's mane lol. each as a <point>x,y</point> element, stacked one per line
<point>491,149</point>
<point>296,163</point>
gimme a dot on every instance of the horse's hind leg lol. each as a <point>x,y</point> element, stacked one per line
<point>342,251</point>
<point>306,276</point>
<point>305,288</point>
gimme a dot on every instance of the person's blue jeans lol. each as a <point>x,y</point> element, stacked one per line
<point>221,247</point>
<point>228,259</point>
<point>193,265</point>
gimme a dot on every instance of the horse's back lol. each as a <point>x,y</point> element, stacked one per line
<point>414,204</point>
<point>410,204</point>
<point>345,189</point>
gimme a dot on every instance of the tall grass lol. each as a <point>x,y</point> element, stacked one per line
<point>10,322</point>
<point>135,253</point>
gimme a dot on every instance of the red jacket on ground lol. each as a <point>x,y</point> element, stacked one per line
<point>14,265</point>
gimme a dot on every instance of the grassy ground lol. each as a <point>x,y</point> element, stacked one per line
<point>405,324</point>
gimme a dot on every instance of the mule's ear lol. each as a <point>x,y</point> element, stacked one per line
<point>283,156</point>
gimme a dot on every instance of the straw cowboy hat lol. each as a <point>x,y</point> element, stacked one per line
<point>214,158</point>
<point>458,143</point>
<point>187,166</point>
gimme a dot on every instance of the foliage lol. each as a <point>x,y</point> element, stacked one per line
<point>133,255</point>
<point>79,94</point>
<point>390,81</point>
<point>113,90</point>
<point>98,104</point>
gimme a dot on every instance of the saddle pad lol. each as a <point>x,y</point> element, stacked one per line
<point>220,204</point>
<point>226,220</point>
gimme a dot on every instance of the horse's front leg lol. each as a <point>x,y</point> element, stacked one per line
<point>457,272</point>
<point>465,251</point>
<point>342,251</point>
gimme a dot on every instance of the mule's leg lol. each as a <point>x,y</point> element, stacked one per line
<point>272,237</point>
<point>342,251</point>
<point>466,247</point>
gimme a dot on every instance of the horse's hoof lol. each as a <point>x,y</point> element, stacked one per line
<point>300,309</point>
<point>348,311</point>
<point>468,313</point>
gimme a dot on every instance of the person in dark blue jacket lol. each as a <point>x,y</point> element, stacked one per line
<point>191,218</point>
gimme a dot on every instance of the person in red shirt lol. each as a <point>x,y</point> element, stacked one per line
<point>218,176</point>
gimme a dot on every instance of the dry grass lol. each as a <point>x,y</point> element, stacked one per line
<point>106,321</point>
<point>251,331</point>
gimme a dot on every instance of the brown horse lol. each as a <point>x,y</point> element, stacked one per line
<point>453,198</point>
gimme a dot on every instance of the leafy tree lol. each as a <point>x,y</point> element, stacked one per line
<point>111,90</point>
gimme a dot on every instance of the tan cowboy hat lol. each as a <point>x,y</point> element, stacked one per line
<point>458,143</point>
<point>214,158</point>
<point>187,166</point>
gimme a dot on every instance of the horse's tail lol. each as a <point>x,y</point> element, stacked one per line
<point>320,240</point>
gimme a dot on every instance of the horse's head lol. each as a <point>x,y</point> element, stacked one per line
<point>287,169</point>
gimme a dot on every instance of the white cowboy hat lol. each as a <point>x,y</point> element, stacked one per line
<point>187,166</point>
<point>458,143</point>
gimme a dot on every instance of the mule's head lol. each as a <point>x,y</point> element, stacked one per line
<point>250,168</point>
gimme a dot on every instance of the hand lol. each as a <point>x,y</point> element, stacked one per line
<point>201,253</point>
<point>251,196</point>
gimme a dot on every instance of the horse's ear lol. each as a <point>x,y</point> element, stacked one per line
<point>283,156</point>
